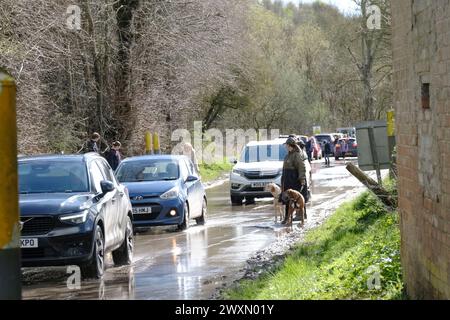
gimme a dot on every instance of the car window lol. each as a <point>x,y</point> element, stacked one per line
<point>96,177</point>
<point>106,170</point>
<point>273,152</point>
<point>148,170</point>
<point>184,170</point>
<point>192,170</point>
<point>52,176</point>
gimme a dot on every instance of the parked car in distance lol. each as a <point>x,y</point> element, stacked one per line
<point>349,132</point>
<point>164,190</point>
<point>338,135</point>
<point>261,163</point>
<point>352,148</point>
<point>72,212</point>
<point>321,138</point>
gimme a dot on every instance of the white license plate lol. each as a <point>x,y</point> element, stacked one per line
<point>142,210</point>
<point>29,243</point>
<point>259,185</point>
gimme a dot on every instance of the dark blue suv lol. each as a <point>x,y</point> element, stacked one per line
<point>73,211</point>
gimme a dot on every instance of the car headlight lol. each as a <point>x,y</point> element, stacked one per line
<point>171,194</point>
<point>238,172</point>
<point>75,218</point>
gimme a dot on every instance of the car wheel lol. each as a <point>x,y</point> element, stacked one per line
<point>124,255</point>
<point>202,220</point>
<point>185,224</point>
<point>236,201</point>
<point>95,268</point>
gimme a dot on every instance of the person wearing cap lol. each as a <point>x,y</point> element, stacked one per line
<point>294,169</point>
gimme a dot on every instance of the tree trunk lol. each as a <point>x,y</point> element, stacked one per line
<point>373,186</point>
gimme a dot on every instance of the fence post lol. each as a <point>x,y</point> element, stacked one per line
<point>148,143</point>
<point>156,145</point>
<point>10,280</point>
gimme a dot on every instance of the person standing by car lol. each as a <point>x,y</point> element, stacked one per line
<point>344,147</point>
<point>294,170</point>
<point>91,145</point>
<point>189,151</point>
<point>113,156</point>
<point>309,149</point>
<point>327,150</point>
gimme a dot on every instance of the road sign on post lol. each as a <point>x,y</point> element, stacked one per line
<point>10,280</point>
<point>373,151</point>
<point>317,130</point>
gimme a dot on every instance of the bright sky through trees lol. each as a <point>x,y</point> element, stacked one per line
<point>346,6</point>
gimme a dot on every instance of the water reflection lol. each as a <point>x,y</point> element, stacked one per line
<point>189,258</point>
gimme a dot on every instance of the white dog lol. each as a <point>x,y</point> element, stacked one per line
<point>275,190</point>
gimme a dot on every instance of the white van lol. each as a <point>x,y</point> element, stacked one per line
<point>261,163</point>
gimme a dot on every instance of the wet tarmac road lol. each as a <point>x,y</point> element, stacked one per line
<point>192,264</point>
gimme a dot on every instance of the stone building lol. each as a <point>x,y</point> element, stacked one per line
<point>421,49</point>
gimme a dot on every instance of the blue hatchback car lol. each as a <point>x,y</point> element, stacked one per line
<point>164,190</point>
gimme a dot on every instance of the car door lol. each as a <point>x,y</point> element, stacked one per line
<point>106,206</point>
<point>198,186</point>
<point>117,202</point>
<point>190,189</point>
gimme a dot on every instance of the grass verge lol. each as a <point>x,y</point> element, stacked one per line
<point>211,172</point>
<point>360,243</point>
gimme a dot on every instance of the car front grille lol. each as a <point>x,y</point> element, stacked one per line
<point>35,226</point>
<point>34,253</point>
<point>145,217</point>
<point>258,175</point>
<point>251,189</point>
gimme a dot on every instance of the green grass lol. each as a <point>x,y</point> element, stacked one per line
<point>335,260</point>
<point>211,172</point>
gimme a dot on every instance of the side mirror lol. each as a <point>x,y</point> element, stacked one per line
<point>191,179</point>
<point>107,186</point>
<point>233,161</point>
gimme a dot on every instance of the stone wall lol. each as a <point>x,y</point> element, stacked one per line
<point>421,49</point>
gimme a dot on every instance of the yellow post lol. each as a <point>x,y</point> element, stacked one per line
<point>148,143</point>
<point>391,139</point>
<point>10,283</point>
<point>156,145</point>
<point>391,123</point>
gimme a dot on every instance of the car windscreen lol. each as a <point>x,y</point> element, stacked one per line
<point>273,152</point>
<point>52,176</point>
<point>148,170</point>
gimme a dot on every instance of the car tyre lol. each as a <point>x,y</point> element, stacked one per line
<point>124,254</point>
<point>202,220</point>
<point>185,224</point>
<point>95,268</point>
<point>236,201</point>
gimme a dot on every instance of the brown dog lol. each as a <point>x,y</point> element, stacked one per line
<point>296,205</point>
